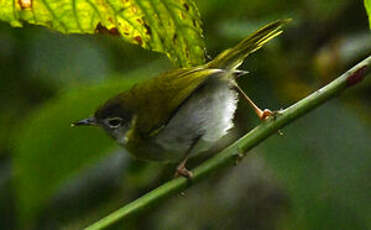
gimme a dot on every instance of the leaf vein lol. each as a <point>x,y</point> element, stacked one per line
<point>146,15</point>
<point>178,25</point>
<point>76,15</point>
<point>51,12</point>
<point>95,9</point>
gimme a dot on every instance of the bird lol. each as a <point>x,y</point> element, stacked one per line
<point>182,112</point>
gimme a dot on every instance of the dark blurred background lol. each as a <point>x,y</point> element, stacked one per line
<point>315,176</point>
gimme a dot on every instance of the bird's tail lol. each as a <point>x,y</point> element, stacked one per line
<point>232,58</point>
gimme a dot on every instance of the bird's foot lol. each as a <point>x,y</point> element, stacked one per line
<point>181,170</point>
<point>266,113</point>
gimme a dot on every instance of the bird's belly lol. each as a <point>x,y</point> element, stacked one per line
<point>201,121</point>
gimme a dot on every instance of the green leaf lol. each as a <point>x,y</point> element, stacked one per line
<point>47,151</point>
<point>368,10</point>
<point>169,26</point>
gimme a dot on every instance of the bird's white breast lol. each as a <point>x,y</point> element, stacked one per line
<point>205,117</point>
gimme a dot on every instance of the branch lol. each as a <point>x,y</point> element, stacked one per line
<point>238,149</point>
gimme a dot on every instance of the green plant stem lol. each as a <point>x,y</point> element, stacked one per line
<point>237,150</point>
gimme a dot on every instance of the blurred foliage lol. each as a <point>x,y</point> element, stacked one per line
<point>68,156</point>
<point>168,26</point>
<point>314,177</point>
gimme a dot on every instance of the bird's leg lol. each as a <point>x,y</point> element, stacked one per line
<point>181,169</point>
<point>262,114</point>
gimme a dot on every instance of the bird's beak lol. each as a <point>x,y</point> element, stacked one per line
<point>88,122</point>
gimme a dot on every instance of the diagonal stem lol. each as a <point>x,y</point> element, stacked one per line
<point>238,149</point>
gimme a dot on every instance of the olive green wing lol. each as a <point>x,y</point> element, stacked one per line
<point>157,100</point>
<point>233,57</point>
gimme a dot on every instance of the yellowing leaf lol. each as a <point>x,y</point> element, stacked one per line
<point>169,26</point>
<point>368,10</point>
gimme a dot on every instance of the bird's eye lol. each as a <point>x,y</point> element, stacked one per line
<point>114,122</point>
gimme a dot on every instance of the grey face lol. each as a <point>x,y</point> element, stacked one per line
<point>113,118</point>
<point>116,127</point>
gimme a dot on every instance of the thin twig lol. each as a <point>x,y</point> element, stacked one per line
<point>238,149</point>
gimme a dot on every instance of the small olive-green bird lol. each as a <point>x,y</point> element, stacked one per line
<point>183,112</point>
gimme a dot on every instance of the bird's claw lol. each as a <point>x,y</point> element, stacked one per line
<point>183,171</point>
<point>270,114</point>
